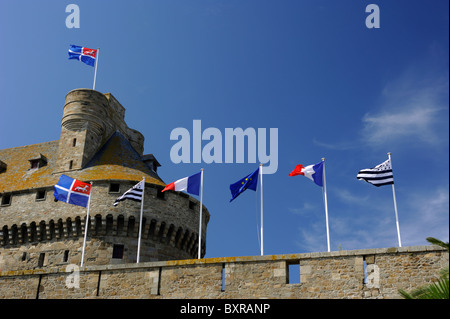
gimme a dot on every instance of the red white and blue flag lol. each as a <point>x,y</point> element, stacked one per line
<point>83,54</point>
<point>190,184</point>
<point>72,191</point>
<point>313,172</point>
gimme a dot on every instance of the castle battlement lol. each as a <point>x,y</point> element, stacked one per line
<point>95,146</point>
<point>356,274</point>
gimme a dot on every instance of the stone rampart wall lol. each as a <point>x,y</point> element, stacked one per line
<point>360,274</point>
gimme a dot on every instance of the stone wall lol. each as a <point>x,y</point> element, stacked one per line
<point>30,227</point>
<point>335,275</point>
<point>89,119</point>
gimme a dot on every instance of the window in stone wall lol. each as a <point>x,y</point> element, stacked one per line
<point>293,273</point>
<point>41,259</point>
<point>40,195</point>
<point>66,256</point>
<point>6,200</point>
<point>118,251</point>
<point>159,194</point>
<point>365,270</point>
<point>223,278</point>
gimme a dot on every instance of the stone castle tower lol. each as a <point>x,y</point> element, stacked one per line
<point>97,146</point>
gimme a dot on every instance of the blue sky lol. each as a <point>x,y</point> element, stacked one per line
<point>312,69</point>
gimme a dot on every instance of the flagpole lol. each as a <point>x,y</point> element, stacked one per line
<point>140,221</point>
<point>395,207</point>
<point>86,224</point>
<point>326,203</point>
<point>200,219</point>
<point>95,72</point>
<point>262,221</point>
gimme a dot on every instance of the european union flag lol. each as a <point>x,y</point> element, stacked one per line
<point>248,182</point>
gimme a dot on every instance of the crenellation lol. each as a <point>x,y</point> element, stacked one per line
<point>330,275</point>
<point>42,238</point>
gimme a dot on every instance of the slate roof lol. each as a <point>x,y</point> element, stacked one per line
<point>115,160</point>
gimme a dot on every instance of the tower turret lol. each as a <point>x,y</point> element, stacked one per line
<point>97,146</point>
<point>89,119</point>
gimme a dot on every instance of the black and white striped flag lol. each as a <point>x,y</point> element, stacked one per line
<point>380,175</point>
<point>134,193</point>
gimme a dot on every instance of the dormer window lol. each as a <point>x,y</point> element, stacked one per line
<point>5,200</point>
<point>2,167</point>
<point>151,162</point>
<point>38,161</point>
<point>34,164</point>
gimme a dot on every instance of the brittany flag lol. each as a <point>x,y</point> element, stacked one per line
<point>72,191</point>
<point>379,175</point>
<point>83,54</point>
<point>134,193</point>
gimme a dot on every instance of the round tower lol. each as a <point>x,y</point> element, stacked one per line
<point>96,146</point>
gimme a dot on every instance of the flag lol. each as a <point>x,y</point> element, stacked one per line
<point>379,175</point>
<point>134,193</point>
<point>72,191</point>
<point>313,172</point>
<point>83,54</point>
<point>248,182</point>
<point>190,184</point>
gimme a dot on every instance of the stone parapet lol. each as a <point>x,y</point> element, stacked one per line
<point>356,274</point>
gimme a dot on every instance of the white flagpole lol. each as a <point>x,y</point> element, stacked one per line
<point>86,224</point>
<point>95,72</point>
<point>200,219</point>
<point>326,203</point>
<point>395,208</point>
<point>140,221</point>
<point>262,221</point>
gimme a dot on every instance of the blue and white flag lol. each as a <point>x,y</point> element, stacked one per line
<point>72,191</point>
<point>83,54</point>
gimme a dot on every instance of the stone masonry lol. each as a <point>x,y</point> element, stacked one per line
<point>96,146</point>
<point>334,275</point>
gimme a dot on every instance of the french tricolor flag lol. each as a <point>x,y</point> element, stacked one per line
<point>313,172</point>
<point>190,184</point>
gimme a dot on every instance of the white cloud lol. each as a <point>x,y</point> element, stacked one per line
<point>426,215</point>
<point>348,197</point>
<point>412,122</point>
<point>340,146</point>
<point>412,108</point>
<point>307,207</point>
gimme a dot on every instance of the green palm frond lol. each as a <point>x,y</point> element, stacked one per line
<point>435,290</point>
<point>437,242</point>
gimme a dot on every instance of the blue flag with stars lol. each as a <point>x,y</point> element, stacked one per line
<point>248,182</point>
